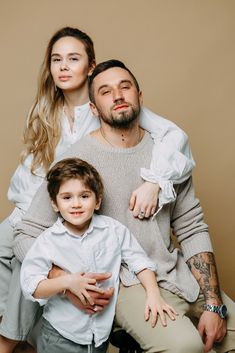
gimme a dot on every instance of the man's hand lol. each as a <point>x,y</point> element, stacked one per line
<point>144,200</point>
<point>100,299</point>
<point>212,329</point>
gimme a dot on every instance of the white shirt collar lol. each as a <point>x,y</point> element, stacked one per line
<point>96,222</point>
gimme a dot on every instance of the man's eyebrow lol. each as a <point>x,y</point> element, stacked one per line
<point>102,86</point>
<point>126,81</point>
<point>120,83</point>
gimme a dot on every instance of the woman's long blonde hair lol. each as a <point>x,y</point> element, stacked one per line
<point>43,127</point>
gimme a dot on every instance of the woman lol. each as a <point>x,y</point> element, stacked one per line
<point>59,117</point>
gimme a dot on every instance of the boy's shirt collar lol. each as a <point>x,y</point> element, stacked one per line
<point>97,221</point>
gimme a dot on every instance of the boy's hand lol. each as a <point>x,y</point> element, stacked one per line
<point>144,200</point>
<point>81,286</point>
<point>157,306</point>
<point>100,300</point>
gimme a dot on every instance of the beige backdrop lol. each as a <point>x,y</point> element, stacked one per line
<point>182,52</point>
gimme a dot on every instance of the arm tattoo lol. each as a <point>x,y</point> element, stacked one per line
<point>203,268</point>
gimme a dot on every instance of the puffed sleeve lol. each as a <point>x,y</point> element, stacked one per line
<point>172,161</point>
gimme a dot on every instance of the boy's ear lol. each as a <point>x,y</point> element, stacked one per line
<point>98,203</point>
<point>54,206</point>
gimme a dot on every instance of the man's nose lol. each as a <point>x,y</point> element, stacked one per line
<point>117,95</point>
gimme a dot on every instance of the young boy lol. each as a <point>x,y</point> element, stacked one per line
<point>81,241</point>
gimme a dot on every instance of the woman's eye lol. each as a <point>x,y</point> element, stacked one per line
<point>55,60</point>
<point>74,59</point>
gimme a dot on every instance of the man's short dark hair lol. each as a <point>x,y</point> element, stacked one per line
<point>105,65</point>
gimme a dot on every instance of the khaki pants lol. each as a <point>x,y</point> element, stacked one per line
<point>181,335</point>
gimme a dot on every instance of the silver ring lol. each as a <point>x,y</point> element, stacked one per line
<point>141,214</point>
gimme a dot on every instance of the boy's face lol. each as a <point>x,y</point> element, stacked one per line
<point>76,204</point>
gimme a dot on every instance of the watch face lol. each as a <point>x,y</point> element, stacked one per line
<point>223,311</point>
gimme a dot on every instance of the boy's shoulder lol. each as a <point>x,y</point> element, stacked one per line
<point>55,228</point>
<point>107,221</point>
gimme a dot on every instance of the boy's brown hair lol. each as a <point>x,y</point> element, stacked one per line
<point>74,168</point>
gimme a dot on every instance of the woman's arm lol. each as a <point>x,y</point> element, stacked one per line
<point>172,163</point>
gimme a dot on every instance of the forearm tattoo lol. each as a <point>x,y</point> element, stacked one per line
<point>203,268</point>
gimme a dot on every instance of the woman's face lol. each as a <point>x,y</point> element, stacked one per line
<point>69,64</point>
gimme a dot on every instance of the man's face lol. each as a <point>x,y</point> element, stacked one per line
<point>117,100</point>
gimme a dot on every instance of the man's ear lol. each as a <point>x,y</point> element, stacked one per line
<point>98,203</point>
<point>141,97</point>
<point>54,206</point>
<point>93,109</point>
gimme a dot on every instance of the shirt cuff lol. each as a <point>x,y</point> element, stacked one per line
<point>30,287</point>
<point>167,192</point>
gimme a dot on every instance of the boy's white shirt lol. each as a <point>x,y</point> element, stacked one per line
<point>103,248</point>
<point>172,160</point>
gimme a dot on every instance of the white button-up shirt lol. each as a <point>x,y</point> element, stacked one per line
<point>103,248</point>
<point>172,161</point>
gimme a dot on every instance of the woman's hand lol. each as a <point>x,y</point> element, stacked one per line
<point>157,306</point>
<point>144,200</point>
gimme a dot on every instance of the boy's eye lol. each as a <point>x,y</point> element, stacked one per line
<point>85,196</point>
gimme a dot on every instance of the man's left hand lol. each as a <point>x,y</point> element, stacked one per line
<point>212,329</point>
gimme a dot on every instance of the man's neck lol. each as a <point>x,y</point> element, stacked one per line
<point>122,138</point>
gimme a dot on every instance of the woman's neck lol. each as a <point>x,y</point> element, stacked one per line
<point>77,97</point>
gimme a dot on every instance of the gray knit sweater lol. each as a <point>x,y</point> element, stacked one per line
<point>120,170</point>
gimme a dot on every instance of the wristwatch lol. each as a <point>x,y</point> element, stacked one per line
<point>221,310</point>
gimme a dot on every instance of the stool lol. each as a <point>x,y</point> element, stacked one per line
<point>122,340</point>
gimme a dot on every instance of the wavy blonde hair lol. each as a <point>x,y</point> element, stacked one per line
<point>43,126</point>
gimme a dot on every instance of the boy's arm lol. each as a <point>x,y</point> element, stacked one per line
<point>76,283</point>
<point>100,299</point>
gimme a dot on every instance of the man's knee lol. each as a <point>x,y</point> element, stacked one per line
<point>178,343</point>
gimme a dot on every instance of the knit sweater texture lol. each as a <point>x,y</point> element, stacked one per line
<point>120,171</point>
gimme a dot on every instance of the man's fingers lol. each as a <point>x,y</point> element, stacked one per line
<point>209,340</point>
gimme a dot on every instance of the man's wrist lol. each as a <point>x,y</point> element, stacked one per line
<point>221,310</point>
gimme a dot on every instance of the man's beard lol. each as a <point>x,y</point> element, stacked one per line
<point>123,120</point>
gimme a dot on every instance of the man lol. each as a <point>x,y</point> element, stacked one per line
<point>187,277</point>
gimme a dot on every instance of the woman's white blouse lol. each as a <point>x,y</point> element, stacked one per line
<point>172,161</point>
